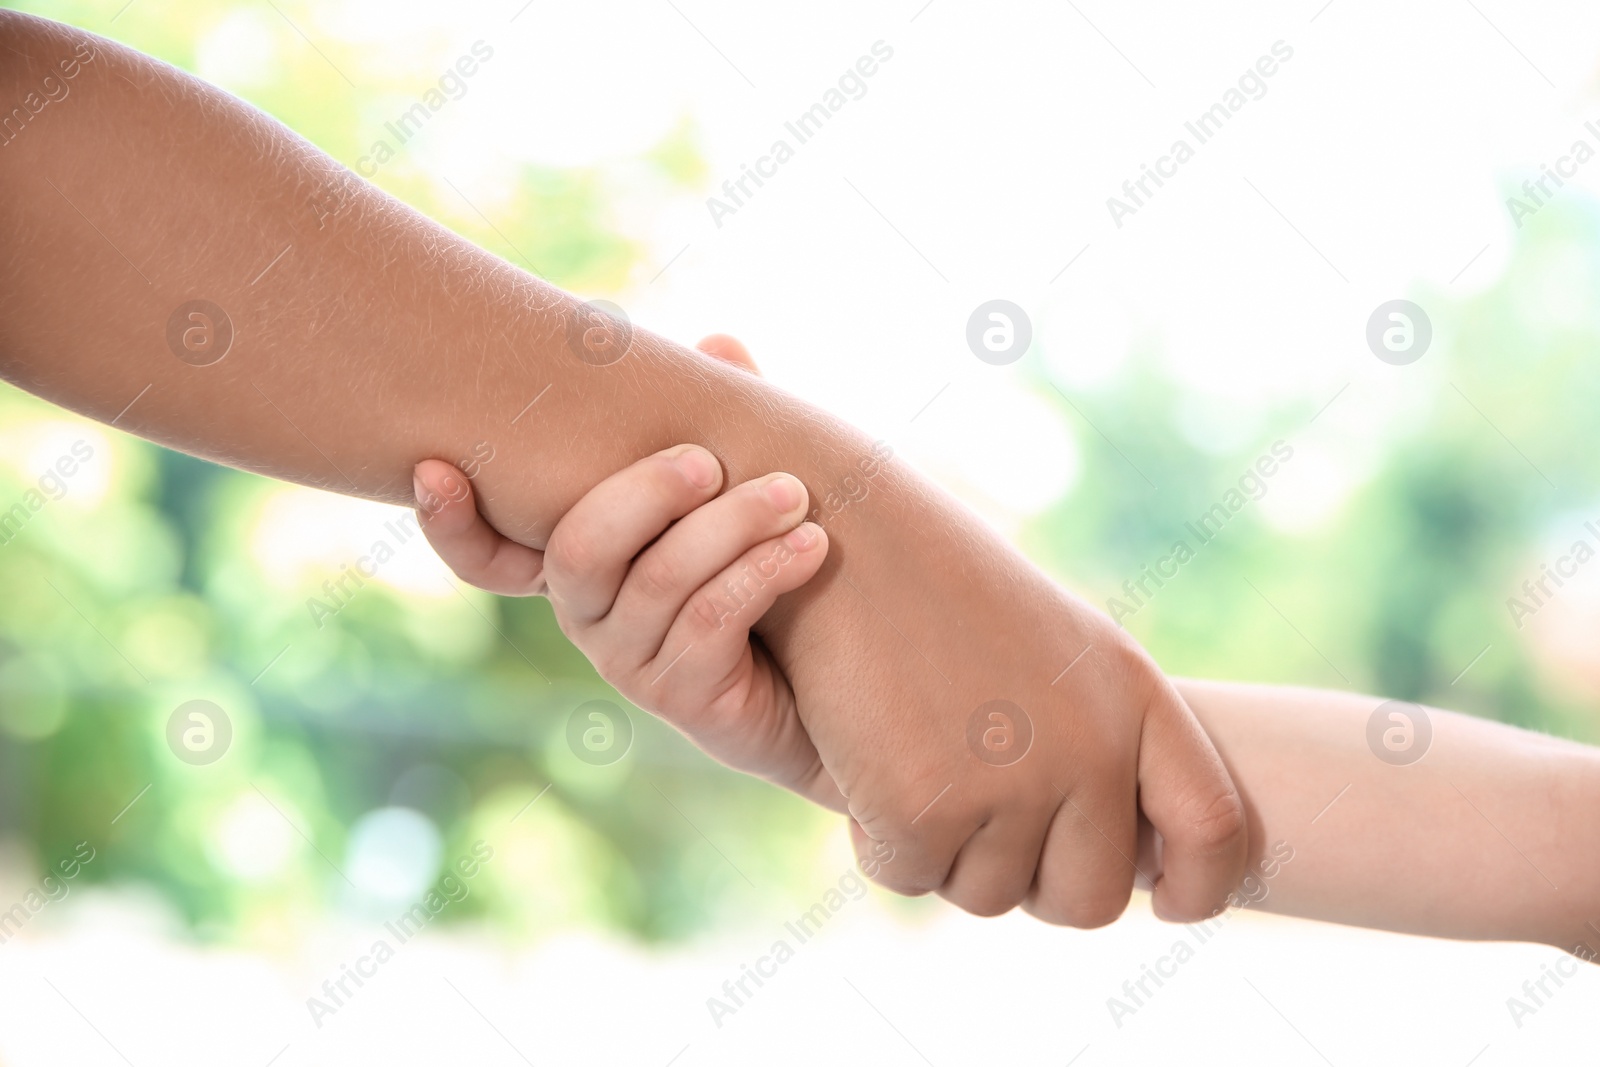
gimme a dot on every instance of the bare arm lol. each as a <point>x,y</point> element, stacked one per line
<point>1479,831</point>
<point>364,335</point>
<point>367,338</point>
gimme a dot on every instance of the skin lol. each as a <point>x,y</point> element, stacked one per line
<point>1489,834</point>
<point>673,578</point>
<point>664,602</point>
<point>367,338</point>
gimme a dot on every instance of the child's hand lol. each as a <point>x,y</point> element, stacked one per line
<point>1055,832</point>
<point>476,551</point>
<point>657,580</point>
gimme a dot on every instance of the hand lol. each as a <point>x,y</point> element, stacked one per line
<point>476,551</point>
<point>954,619</point>
<point>657,580</point>
<point>936,618</point>
<point>919,616</point>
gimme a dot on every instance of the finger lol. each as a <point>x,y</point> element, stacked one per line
<point>871,856</point>
<point>729,350</point>
<point>467,544</point>
<point>912,825</point>
<point>995,868</point>
<point>1086,868</point>
<point>714,623</point>
<point>817,785</point>
<point>695,550</point>
<point>1186,793</point>
<point>592,546</point>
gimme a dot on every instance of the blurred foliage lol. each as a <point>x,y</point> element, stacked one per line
<point>1477,481</point>
<point>156,579</point>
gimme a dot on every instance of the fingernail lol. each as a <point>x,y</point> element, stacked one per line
<point>699,466</point>
<point>784,492</point>
<point>802,536</point>
<point>419,490</point>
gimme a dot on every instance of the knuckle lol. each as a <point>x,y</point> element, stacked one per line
<point>913,871</point>
<point>708,612</point>
<point>1089,910</point>
<point>1100,910</point>
<point>570,630</point>
<point>569,556</point>
<point>654,577</point>
<point>607,665</point>
<point>667,494</point>
<point>903,881</point>
<point>899,866</point>
<point>704,611</point>
<point>985,900</point>
<point>1217,824</point>
<point>1124,658</point>
<point>873,856</point>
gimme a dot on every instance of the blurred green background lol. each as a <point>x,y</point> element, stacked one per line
<point>371,750</point>
<point>157,578</point>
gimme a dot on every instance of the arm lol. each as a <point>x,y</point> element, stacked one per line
<point>1489,834</point>
<point>1366,812</point>
<point>366,338</point>
<point>376,338</point>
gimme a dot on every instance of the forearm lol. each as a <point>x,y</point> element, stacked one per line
<point>366,337</point>
<point>1489,835</point>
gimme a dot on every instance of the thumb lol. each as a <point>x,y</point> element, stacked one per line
<point>1185,792</point>
<point>465,541</point>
